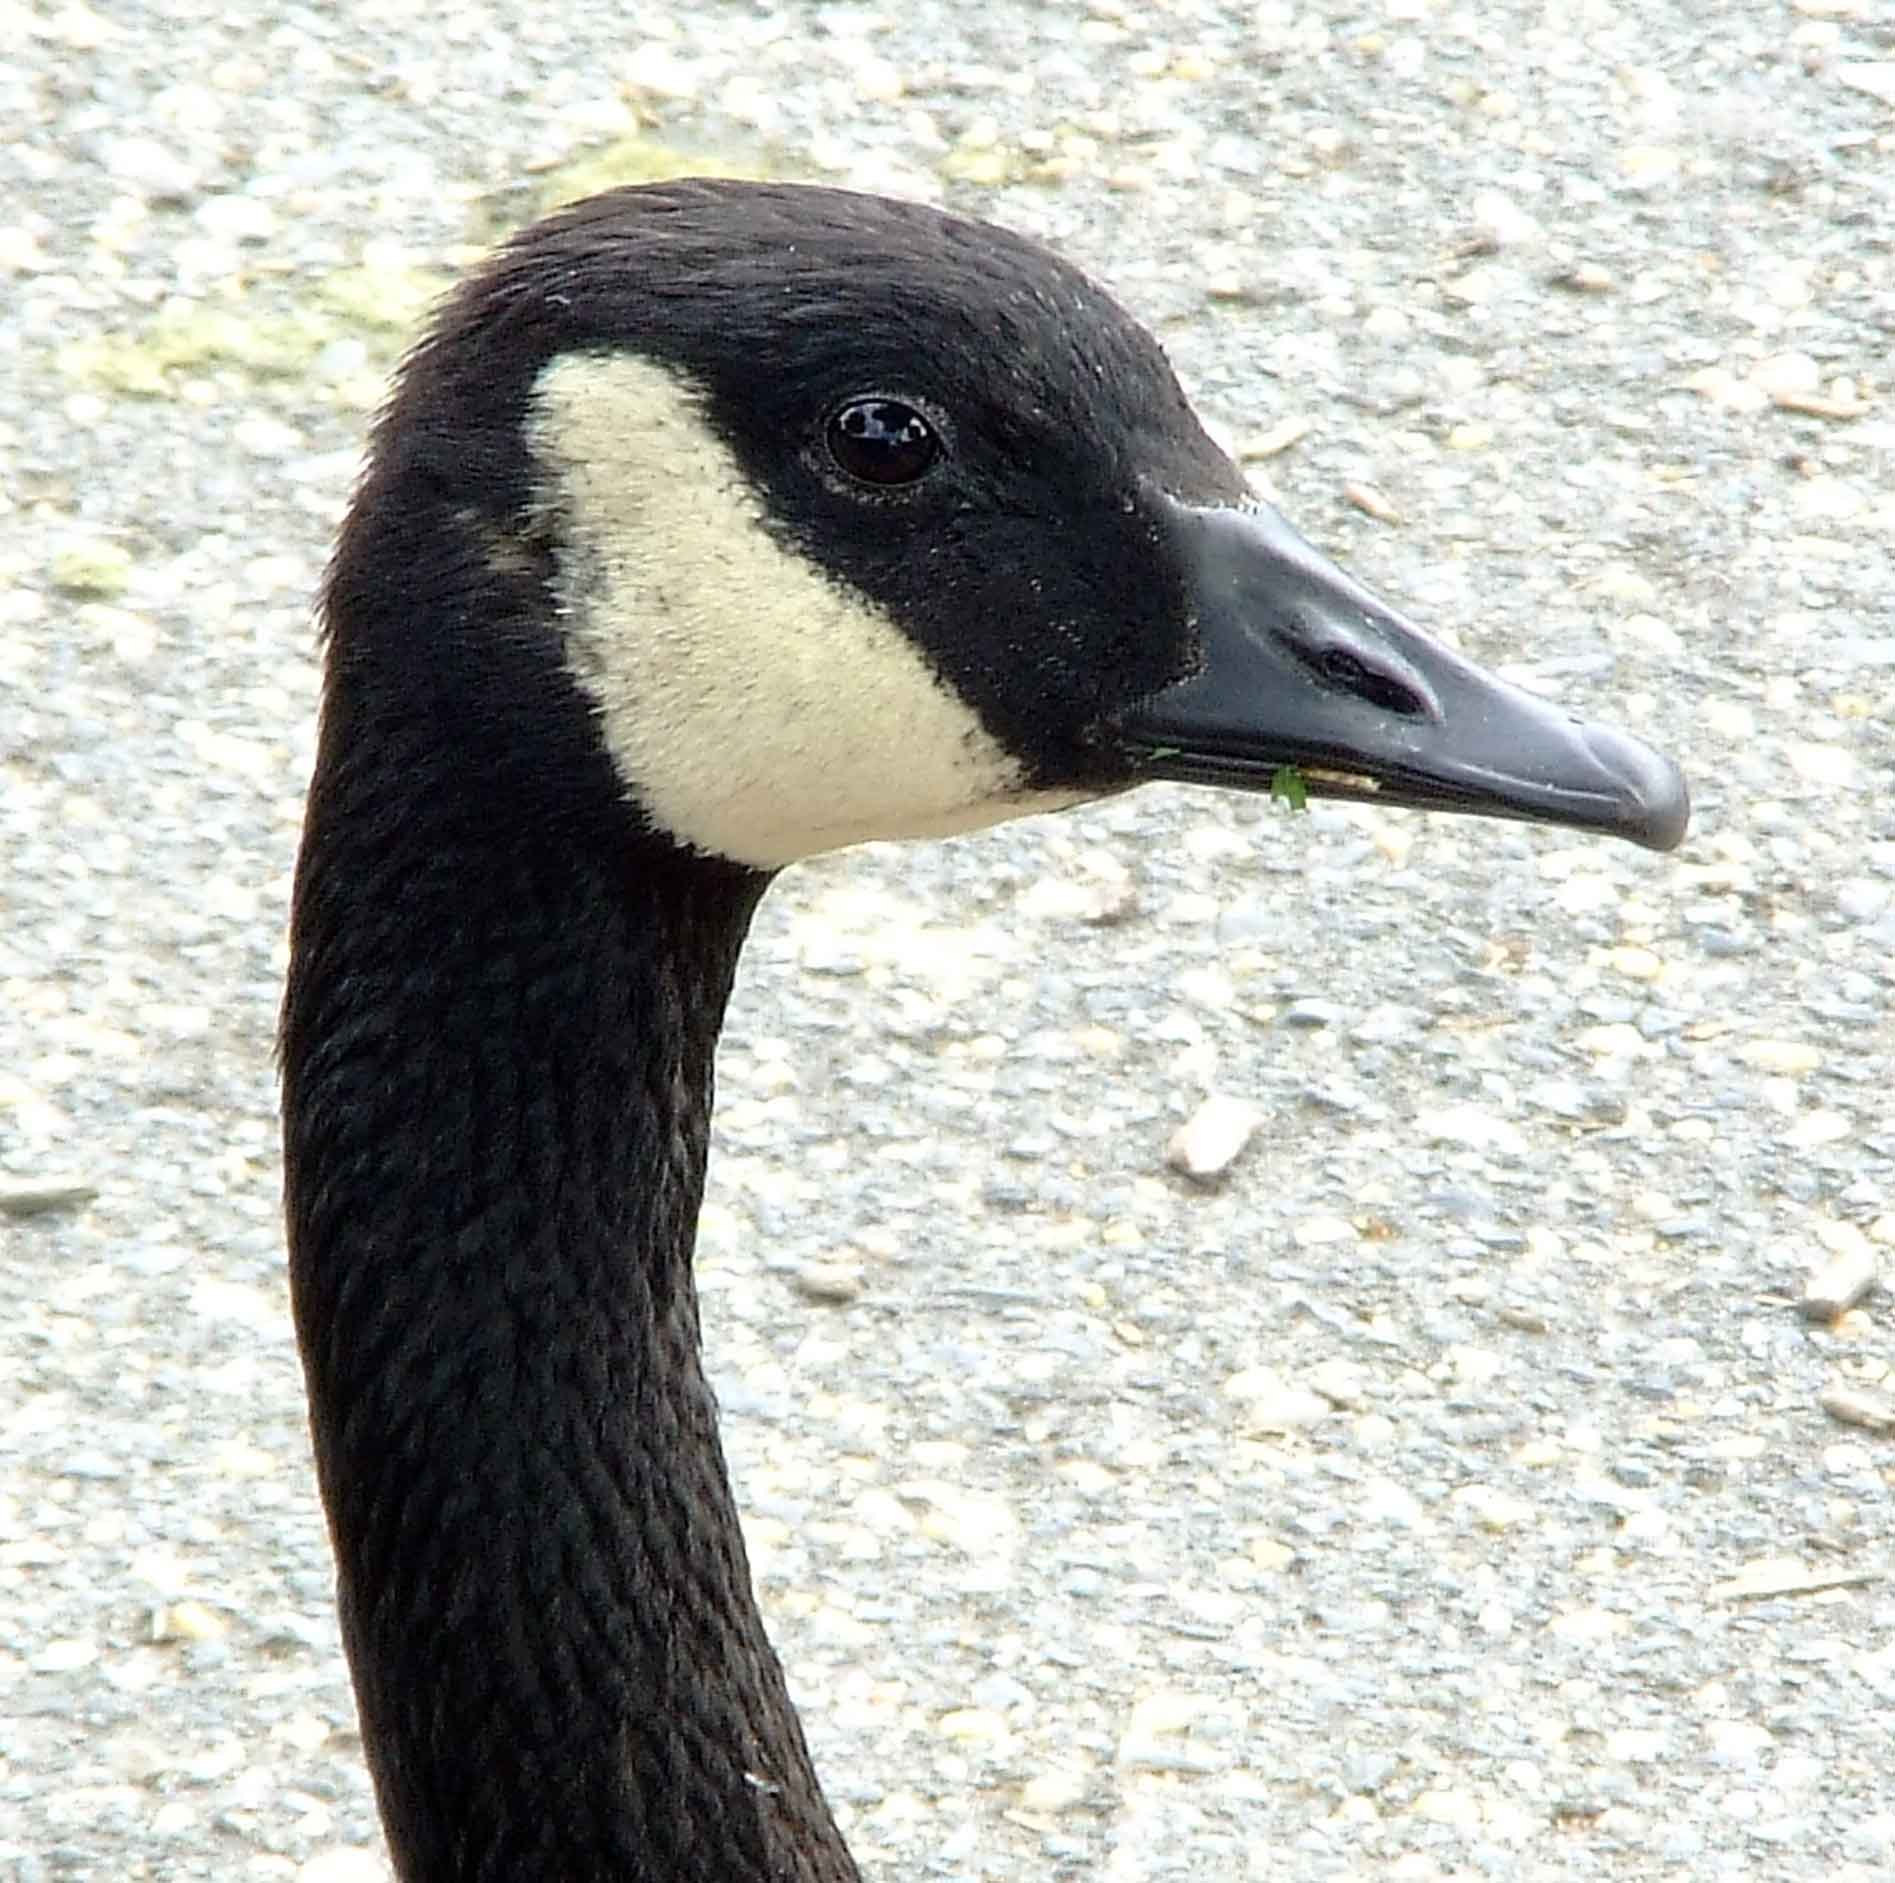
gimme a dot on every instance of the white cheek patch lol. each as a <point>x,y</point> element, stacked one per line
<point>756,707</point>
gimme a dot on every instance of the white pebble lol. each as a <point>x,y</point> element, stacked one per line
<point>1271,1403</point>
<point>1212,1139</point>
<point>64,1657</point>
<point>237,219</point>
<point>1738,1739</point>
<point>146,166</point>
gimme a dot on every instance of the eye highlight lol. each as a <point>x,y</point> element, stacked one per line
<point>883,442</point>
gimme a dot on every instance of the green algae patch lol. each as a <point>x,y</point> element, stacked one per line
<point>375,307</point>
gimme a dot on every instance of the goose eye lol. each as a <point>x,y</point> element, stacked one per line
<point>883,442</point>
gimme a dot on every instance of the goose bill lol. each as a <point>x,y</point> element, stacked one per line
<point>1301,666</point>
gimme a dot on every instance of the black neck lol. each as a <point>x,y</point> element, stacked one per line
<point>497,1083</point>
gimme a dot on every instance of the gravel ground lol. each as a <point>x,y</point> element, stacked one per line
<point>1458,1488</point>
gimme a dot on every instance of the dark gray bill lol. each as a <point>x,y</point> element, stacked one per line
<point>1304,668</point>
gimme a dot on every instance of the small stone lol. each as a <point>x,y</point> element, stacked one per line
<point>1862,900</point>
<point>657,69</point>
<point>1494,1510</point>
<point>1739,1739</point>
<point>1053,899</point>
<point>1158,1717</point>
<point>1471,1127</point>
<point>1522,1319</point>
<point>1563,1097</point>
<point>1840,402</point>
<point>1458,1809</point>
<point>96,568</point>
<point>1817,1128</point>
<point>188,1621</point>
<point>1786,373</point>
<point>267,437</point>
<point>1501,219</point>
<point>821,954</point>
<point>1385,1501</point>
<point>1371,502</point>
<point>64,1657</point>
<point>1874,77</point>
<point>1468,1365</point>
<point>1210,988</point>
<point>20,251</point>
<point>1829,765</point>
<point>878,81</point>
<point>1723,387</point>
<point>1788,1058</point>
<point>1586,278</point>
<point>34,1196</point>
<point>1053,1792</point>
<point>1314,1013</point>
<point>1615,1039</point>
<point>1315,1232</point>
<point>1637,964</point>
<point>237,218</point>
<point>1645,166</point>
<point>834,1283</point>
<point>1848,1273</point>
<point>1344,1383</point>
<point>1585,1624</point>
<point>1847,1460</point>
<point>972,161</point>
<point>1111,896</point>
<point>1205,1146</point>
<point>143,165</point>
<point>1279,438</point>
<point>1649,632</point>
<point>972,1723</point>
<point>1855,1405</point>
<point>1270,1403</point>
<point>1620,582</point>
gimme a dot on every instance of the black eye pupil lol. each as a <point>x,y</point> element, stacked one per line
<point>883,442</point>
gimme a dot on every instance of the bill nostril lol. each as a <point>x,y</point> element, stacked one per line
<point>1345,669</point>
<point>1348,672</point>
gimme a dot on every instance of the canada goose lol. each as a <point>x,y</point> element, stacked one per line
<point>714,525</point>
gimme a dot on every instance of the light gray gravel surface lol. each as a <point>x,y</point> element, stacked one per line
<point>1449,1491</point>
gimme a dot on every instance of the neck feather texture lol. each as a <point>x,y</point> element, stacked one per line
<point>497,1067</point>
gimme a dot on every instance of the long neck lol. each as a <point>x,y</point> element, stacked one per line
<point>497,1082</point>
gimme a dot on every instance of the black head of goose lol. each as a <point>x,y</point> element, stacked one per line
<point>714,525</point>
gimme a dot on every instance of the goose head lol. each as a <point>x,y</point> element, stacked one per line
<point>715,525</point>
<point>849,519</point>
